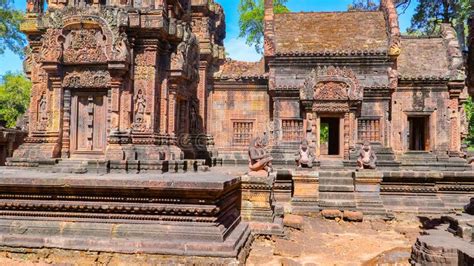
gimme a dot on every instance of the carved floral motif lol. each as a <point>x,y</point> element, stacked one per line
<point>51,50</point>
<point>87,79</point>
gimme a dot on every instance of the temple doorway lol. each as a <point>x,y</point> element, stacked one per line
<point>418,136</point>
<point>88,124</point>
<point>330,144</point>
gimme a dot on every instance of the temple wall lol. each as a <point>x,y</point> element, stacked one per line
<point>432,103</point>
<point>236,112</point>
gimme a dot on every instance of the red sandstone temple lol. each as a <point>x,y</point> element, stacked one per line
<point>126,87</point>
<point>148,81</point>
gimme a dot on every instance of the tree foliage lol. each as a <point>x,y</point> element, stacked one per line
<point>251,14</point>
<point>14,97</point>
<point>10,36</point>
<point>364,5</point>
<point>373,5</point>
<point>430,14</point>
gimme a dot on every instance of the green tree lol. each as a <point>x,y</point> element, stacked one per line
<point>14,97</point>
<point>10,35</point>
<point>364,5</point>
<point>372,5</point>
<point>429,14</point>
<point>469,108</point>
<point>251,14</point>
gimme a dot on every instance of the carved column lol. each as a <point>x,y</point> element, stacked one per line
<point>66,141</point>
<point>172,111</point>
<point>202,93</point>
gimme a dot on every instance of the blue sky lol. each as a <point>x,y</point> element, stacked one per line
<point>235,47</point>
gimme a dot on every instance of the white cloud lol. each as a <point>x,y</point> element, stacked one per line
<point>237,49</point>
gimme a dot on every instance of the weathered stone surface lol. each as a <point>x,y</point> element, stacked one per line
<point>469,208</point>
<point>332,214</point>
<point>293,221</point>
<point>353,216</point>
<point>100,213</point>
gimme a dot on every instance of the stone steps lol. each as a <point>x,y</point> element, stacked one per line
<point>336,188</point>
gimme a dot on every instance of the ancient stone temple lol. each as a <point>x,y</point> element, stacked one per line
<point>134,102</point>
<point>350,72</point>
<point>119,80</point>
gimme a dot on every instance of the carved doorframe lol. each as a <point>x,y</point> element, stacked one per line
<point>332,92</point>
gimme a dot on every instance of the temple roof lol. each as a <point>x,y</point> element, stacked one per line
<point>316,32</point>
<point>232,69</point>
<point>423,57</point>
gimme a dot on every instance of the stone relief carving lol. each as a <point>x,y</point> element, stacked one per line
<point>85,46</point>
<point>42,112</point>
<point>51,49</point>
<point>335,78</point>
<point>186,57</point>
<point>332,89</point>
<point>139,123</point>
<point>87,79</point>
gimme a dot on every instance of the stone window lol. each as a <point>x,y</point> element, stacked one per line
<point>292,130</point>
<point>242,132</point>
<point>369,129</point>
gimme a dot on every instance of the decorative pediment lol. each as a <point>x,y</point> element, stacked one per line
<point>85,46</point>
<point>331,84</point>
<point>88,36</point>
<point>331,89</point>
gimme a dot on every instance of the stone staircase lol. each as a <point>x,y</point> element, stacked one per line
<point>336,190</point>
<point>371,204</point>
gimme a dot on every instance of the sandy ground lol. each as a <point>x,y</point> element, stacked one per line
<point>327,242</point>
<point>319,242</point>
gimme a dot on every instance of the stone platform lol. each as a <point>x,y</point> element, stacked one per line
<point>193,214</point>
<point>377,194</point>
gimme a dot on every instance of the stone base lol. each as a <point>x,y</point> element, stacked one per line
<point>305,193</point>
<point>439,247</point>
<point>184,215</point>
<point>258,205</point>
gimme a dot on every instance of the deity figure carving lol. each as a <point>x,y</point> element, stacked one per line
<point>304,157</point>
<point>260,162</point>
<point>140,107</point>
<point>43,112</point>
<point>367,157</point>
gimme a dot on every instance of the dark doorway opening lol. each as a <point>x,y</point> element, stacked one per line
<point>329,136</point>
<point>418,138</point>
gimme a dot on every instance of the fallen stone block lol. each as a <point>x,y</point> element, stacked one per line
<point>353,216</point>
<point>331,214</point>
<point>293,221</point>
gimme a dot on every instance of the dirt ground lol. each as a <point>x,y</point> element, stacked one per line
<point>327,242</point>
<point>319,242</point>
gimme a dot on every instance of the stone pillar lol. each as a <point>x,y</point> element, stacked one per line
<point>305,196</point>
<point>202,93</point>
<point>258,206</point>
<point>367,188</point>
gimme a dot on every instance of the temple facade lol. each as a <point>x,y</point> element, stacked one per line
<point>338,79</point>
<point>148,81</point>
<point>119,80</point>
